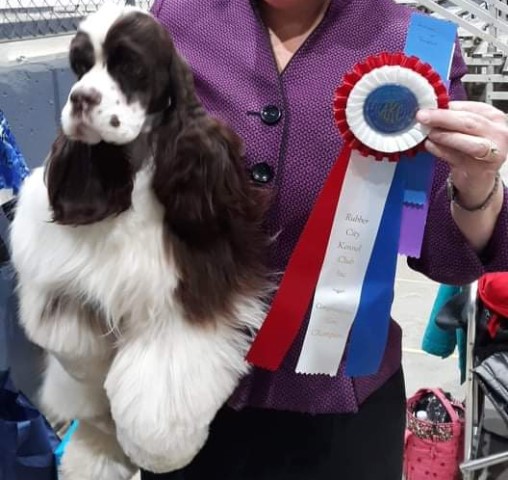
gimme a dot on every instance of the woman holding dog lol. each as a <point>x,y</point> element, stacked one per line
<point>269,68</point>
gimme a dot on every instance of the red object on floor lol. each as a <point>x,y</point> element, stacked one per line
<point>493,292</point>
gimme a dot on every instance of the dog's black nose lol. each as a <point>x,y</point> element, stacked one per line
<point>83,100</point>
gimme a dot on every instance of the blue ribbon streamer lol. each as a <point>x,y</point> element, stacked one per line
<point>433,41</point>
<point>418,179</point>
<point>370,328</point>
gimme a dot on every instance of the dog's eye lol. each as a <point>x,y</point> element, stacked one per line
<point>82,56</point>
<point>137,71</point>
<point>128,68</point>
<point>80,67</point>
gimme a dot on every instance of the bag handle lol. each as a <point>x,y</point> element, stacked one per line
<point>441,397</point>
<point>407,435</point>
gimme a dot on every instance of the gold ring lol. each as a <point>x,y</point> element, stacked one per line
<point>491,153</point>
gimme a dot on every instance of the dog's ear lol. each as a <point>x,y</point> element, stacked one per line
<point>182,90</point>
<point>87,183</point>
<point>213,214</point>
<point>202,183</point>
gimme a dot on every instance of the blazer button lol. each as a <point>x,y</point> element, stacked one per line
<point>271,114</point>
<point>261,173</point>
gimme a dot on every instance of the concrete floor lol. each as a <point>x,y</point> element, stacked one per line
<point>414,297</point>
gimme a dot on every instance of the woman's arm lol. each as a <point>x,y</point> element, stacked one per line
<point>472,137</point>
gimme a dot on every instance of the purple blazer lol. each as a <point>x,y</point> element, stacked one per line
<point>291,143</point>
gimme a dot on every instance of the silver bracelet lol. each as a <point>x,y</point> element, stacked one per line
<point>452,195</point>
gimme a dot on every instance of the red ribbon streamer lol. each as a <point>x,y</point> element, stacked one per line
<point>296,289</point>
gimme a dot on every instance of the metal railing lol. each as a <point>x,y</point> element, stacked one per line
<point>21,19</point>
<point>485,20</point>
<point>483,32</point>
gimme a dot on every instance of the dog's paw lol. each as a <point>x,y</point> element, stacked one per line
<point>160,454</point>
<point>93,453</point>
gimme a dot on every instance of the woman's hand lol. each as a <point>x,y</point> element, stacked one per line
<point>472,137</point>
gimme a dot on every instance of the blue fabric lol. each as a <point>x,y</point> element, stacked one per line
<point>13,168</point>
<point>436,340</point>
<point>27,441</point>
<point>442,343</point>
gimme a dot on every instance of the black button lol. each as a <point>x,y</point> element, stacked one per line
<point>261,173</point>
<point>271,114</point>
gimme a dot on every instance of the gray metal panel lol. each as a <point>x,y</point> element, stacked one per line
<point>31,96</point>
<point>24,359</point>
<point>65,79</point>
<point>27,97</point>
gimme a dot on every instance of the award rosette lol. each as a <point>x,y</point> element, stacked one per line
<point>343,266</point>
<point>375,107</point>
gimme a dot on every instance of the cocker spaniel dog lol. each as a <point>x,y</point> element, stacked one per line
<point>138,248</point>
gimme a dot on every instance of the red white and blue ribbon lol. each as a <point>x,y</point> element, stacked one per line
<point>343,266</point>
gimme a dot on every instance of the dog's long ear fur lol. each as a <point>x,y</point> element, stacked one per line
<point>87,184</point>
<point>213,213</point>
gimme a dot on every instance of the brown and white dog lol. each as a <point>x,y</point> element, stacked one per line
<point>138,249</point>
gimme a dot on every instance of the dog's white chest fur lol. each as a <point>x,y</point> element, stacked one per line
<point>119,264</point>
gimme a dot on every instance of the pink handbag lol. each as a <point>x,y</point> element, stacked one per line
<point>434,451</point>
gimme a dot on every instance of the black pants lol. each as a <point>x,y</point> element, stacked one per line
<point>256,444</point>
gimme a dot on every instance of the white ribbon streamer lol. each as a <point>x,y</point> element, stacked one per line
<point>337,298</point>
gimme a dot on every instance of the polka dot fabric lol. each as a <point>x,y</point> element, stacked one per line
<point>228,49</point>
<point>434,453</point>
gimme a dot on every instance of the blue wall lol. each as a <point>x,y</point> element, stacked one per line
<point>32,96</point>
